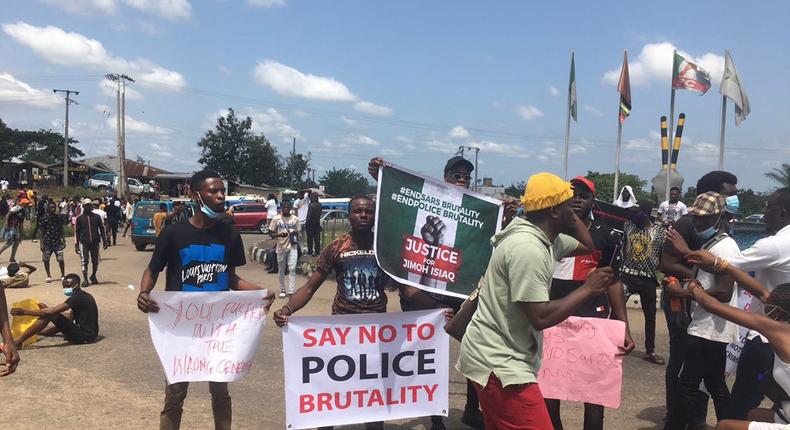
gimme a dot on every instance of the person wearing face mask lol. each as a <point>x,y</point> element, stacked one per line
<point>771,322</point>
<point>77,318</point>
<point>644,241</point>
<point>200,255</point>
<point>709,335</point>
<point>769,259</point>
<point>672,264</point>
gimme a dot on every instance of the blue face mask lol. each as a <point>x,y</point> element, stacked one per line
<point>68,291</point>
<point>732,204</point>
<point>211,213</point>
<point>709,232</point>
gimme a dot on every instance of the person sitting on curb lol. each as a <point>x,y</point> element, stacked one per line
<point>77,318</point>
<point>16,275</point>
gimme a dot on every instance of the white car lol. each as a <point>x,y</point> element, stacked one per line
<point>101,181</point>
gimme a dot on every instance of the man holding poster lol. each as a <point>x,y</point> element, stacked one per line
<point>503,345</point>
<point>360,280</point>
<point>200,255</point>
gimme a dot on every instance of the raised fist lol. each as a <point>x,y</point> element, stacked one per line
<point>433,230</point>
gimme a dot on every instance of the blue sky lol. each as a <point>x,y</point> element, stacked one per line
<point>409,80</point>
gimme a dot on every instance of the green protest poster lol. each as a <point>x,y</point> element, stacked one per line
<point>431,234</point>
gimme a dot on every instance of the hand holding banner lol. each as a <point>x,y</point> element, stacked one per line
<point>348,369</point>
<point>580,361</point>
<point>431,234</point>
<point>208,336</point>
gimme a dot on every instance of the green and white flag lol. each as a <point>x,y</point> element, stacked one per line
<point>431,234</point>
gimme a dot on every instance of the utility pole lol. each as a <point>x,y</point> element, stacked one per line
<point>66,135</point>
<point>120,80</point>
<point>293,165</point>
<point>477,153</point>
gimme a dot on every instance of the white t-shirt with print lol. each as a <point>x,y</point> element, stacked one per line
<point>703,323</point>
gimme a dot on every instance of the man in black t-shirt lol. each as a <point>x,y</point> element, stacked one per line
<point>723,183</point>
<point>200,255</point>
<point>77,318</point>
<point>570,273</point>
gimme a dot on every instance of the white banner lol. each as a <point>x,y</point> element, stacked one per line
<point>734,349</point>
<point>348,369</point>
<point>208,336</point>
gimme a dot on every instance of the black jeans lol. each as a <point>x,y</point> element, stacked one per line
<point>678,338</point>
<point>646,288</point>
<point>89,253</point>
<point>113,230</point>
<point>755,364</point>
<point>313,240</point>
<point>170,418</point>
<point>705,361</point>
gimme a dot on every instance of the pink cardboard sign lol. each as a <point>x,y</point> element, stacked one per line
<point>580,362</point>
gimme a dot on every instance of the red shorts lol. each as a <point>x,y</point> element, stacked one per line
<point>517,407</point>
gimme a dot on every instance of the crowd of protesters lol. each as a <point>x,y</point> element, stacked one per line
<point>545,267</point>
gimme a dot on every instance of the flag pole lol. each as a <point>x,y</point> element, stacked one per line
<point>671,122</point>
<point>617,158</point>
<point>721,138</point>
<point>567,127</point>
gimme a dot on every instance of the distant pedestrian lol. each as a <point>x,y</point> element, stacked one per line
<point>52,239</point>
<point>285,228</point>
<point>89,233</point>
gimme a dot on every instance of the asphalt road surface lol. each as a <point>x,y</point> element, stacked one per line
<point>118,382</point>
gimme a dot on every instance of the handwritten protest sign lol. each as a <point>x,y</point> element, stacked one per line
<point>348,369</point>
<point>579,361</point>
<point>207,336</point>
<point>20,323</point>
<point>431,234</point>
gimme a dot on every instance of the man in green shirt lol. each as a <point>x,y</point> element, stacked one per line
<point>502,349</point>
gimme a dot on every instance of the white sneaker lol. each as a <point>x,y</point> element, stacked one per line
<point>281,295</point>
<point>49,279</point>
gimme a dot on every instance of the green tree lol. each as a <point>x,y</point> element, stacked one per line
<point>780,175</point>
<point>259,163</point>
<point>10,144</point>
<point>233,150</point>
<point>515,189</point>
<point>751,202</point>
<point>344,182</point>
<point>46,146</point>
<point>295,170</point>
<point>604,186</point>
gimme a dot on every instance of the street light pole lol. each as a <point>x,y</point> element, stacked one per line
<point>66,135</point>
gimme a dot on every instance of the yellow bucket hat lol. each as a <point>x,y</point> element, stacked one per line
<point>545,190</point>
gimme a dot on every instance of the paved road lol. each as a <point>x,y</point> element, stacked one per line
<point>118,382</point>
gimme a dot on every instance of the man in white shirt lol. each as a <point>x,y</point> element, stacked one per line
<point>301,211</point>
<point>671,210</point>
<point>709,335</point>
<point>271,207</point>
<point>4,184</point>
<point>769,259</point>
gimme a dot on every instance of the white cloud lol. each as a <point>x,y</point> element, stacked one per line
<point>287,81</point>
<point>272,122</point>
<point>592,109</point>
<point>73,49</point>
<point>266,3</point>
<point>654,63</point>
<point>548,153</point>
<point>554,91</point>
<point>139,127</point>
<point>459,132</point>
<point>110,89</point>
<point>159,152</point>
<point>372,109</point>
<point>361,139</point>
<point>390,153</point>
<point>107,7</point>
<point>528,112</point>
<point>150,28</point>
<point>14,92</point>
<point>348,121</point>
<point>170,9</point>
<point>486,147</point>
<point>299,113</point>
<point>404,139</point>
<point>225,71</point>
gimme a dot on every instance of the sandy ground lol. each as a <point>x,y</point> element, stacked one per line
<point>118,382</point>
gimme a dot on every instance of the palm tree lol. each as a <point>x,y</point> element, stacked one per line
<point>780,175</point>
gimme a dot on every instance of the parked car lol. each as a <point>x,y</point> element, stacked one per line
<point>101,181</point>
<point>755,218</point>
<point>143,231</point>
<point>334,219</point>
<point>250,216</point>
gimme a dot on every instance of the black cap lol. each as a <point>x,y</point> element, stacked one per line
<point>458,160</point>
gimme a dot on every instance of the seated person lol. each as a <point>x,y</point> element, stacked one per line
<point>77,318</point>
<point>16,275</point>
